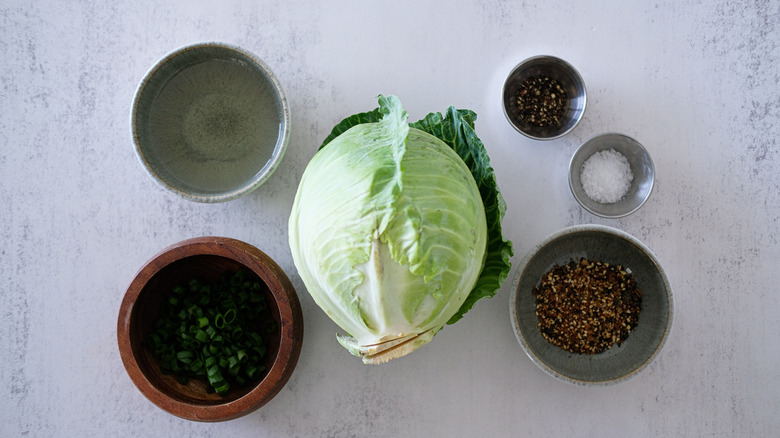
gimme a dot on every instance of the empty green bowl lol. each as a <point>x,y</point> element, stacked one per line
<point>210,122</point>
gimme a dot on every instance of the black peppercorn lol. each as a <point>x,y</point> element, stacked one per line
<point>541,101</point>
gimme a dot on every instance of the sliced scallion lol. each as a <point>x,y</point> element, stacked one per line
<point>215,332</point>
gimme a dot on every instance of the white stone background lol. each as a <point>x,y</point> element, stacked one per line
<point>696,82</point>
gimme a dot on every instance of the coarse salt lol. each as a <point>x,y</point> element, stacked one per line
<point>606,176</point>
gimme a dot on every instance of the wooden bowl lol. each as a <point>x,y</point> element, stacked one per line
<point>207,258</point>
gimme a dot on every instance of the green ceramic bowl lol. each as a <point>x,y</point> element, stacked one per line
<point>210,122</point>
<point>604,244</point>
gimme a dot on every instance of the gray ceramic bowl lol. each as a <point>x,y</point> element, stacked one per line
<point>642,169</point>
<point>210,122</point>
<point>609,245</point>
<point>555,68</point>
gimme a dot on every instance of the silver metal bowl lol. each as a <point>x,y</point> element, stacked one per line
<point>554,68</point>
<point>642,168</point>
<point>605,244</point>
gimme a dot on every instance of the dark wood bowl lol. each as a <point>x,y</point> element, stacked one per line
<point>207,258</point>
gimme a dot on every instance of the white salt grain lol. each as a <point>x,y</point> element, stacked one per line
<point>606,176</point>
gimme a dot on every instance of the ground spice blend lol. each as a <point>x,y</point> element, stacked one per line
<point>541,101</point>
<point>587,306</point>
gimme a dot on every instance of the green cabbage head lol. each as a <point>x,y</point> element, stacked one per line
<point>389,230</point>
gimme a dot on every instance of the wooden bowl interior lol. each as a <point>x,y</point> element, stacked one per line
<point>208,268</point>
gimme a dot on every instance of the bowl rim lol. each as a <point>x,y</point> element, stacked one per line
<point>279,149</point>
<point>291,327</point>
<point>514,293</point>
<point>578,152</point>
<point>568,65</point>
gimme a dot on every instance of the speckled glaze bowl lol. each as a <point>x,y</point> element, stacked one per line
<point>606,244</point>
<point>207,258</point>
<point>555,68</point>
<point>210,122</point>
<point>642,168</point>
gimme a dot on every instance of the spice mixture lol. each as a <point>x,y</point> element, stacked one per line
<point>541,101</point>
<point>587,306</point>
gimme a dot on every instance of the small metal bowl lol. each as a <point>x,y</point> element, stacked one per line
<point>554,68</point>
<point>642,169</point>
<point>609,245</point>
<point>207,258</point>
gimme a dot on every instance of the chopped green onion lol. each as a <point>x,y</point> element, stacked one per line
<point>185,356</point>
<point>230,316</point>
<point>213,373</point>
<point>214,331</point>
<point>201,336</point>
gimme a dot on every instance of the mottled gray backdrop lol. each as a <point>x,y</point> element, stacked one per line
<point>696,82</point>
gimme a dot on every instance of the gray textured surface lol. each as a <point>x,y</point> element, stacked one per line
<point>695,82</point>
